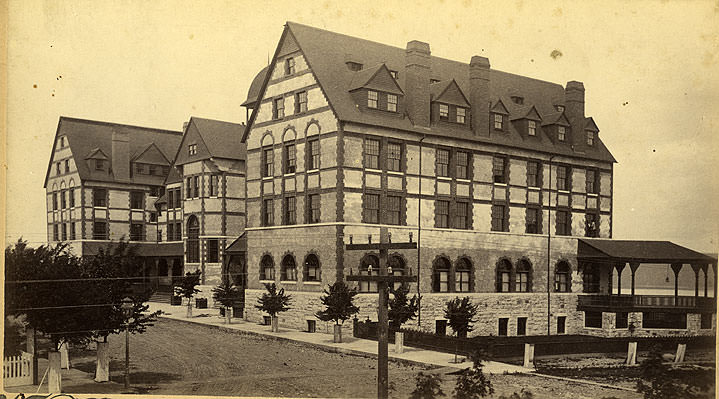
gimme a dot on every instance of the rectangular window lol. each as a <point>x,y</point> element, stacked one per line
<point>289,66</point>
<point>533,174</point>
<point>188,188</point>
<point>192,149</point>
<point>590,138</point>
<point>563,228</point>
<point>442,213</point>
<point>213,250</point>
<point>497,121</point>
<point>301,102</point>
<point>63,199</point>
<point>170,199</point>
<point>178,199</point>
<point>54,201</point>
<point>461,115</point>
<point>99,230</point>
<point>196,186</point>
<point>152,170</point>
<point>394,157</point>
<point>498,218</point>
<point>313,154</point>
<point>562,181</point>
<point>706,321</point>
<point>139,168</point>
<point>153,217</point>
<point>502,331</point>
<point>442,162</point>
<point>561,133</point>
<point>664,320</point>
<point>371,208</point>
<point>99,197</point>
<point>214,185</point>
<point>268,157</point>
<point>504,281</point>
<point>462,159</point>
<point>443,112</point>
<point>67,166</point>
<point>521,281</point>
<point>592,183</point>
<point>72,231</point>
<point>532,128</point>
<point>278,108</point>
<point>165,170</point>
<point>371,99</point>
<point>57,168</point>
<point>461,280</point>
<point>136,232</point>
<point>178,231</point>
<point>591,225</point>
<point>170,232</point>
<point>137,200</point>
<point>443,280</point>
<point>64,231</point>
<point>99,164</point>
<point>371,154</point>
<point>521,326</point>
<point>268,211</point>
<point>393,209</point>
<point>593,319</point>
<point>154,190</point>
<point>561,324</point>
<point>499,169</point>
<point>290,158</point>
<point>314,208</point>
<point>290,210</point>
<point>391,102</point>
<point>621,320</point>
<point>71,197</point>
<point>461,218</point>
<point>55,235</point>
<point>532,221</point>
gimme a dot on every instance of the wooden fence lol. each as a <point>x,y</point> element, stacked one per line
<point>17,370</point>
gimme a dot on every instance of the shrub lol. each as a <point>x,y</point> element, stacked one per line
<point>523,394</point>
<point>338,302</point>
<point>472,383</point>
<point>429,386</point>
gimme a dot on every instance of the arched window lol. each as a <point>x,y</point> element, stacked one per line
<point>523,277</point>
<point>562,277</point>
<point>193,240</point>
<point>440,275</point>
<point>504,273</point>
<point>312,268</point>
<point>463,276</point>
<point>267,268</point>
<point>369,266</point>
<point>397,266</point>
<point>288,271</point>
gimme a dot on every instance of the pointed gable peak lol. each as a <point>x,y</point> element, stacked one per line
<point>590,125</point>
<point>96,153</point>
<point>500,108</point>
<point>526,112</point>
<point>449,92</point>
<point>151,154</point>
<point>378,78</point>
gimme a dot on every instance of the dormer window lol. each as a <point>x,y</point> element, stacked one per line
<point>532,128</point>
<point>99,164</point>
<point>192,149</point>
<point>434,81</point>
<point>354,66</point>
<point>461,115</point>
<point>590,138</point>
<point>289,66</point>
<point>391,102</point>
<point>394,74</point>
<point>561,133</point>
<point>372,99</point>
<point>62,142</point>
<point>443,112</point>
<point>497,121</point>
<point>139,168</point>
<point>518,100</point>
<point>560,108</point>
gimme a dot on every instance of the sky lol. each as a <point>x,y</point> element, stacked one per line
<point>650,69</point>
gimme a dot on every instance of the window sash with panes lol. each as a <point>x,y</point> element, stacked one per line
<point>461,280</point>
<point>301,102</point>
<point>462,167</point>
<point>499,169</point>
<point>371,154</point>
<point>443,112</point>
<point>99,164</point>
<point>563,223</point>
<point>442,162</point>
<point>561,281</point>
<point>192,149</point>
<point>55,234</point>
<point>151,169</point>
<point>394,157</point>
<point>289,66</point>
<point>137,200</point>
<point>54,201</point>
<point>533,174</point>
<point>504,283</point>
<point>461,115</point>
<point>372,97</point>
<point>442,276</point>
<point>213,250</point>
<point>290,210</point>
<point>590,138</point>
<point>170,232</point>
<point>498,218</point>
<point>64,232</point>
<point>562,181</point>
<point>136,232</point>
<point>461,217</point>
<point>63,199</point>
<point>214,185</point>
<point>67,166</point>
<point>99,230</point>
<point>196,186</point>
<point>99,197</point>
<point>393,204</point>
<point>561,133</point>
<point>533,226</point>
<point>268,159</point>
<point>442,211</point>
<point>57,168</point>
<point>498,121</point>
<point>521,280</point>
<point>532,128</point>
<point>312,269</point>
<point>314,154</point>
<point>188,188</point>
<point>290,159</point>
<point>278,108</point>
<point>392,102</point>
<point>591,225</point>
<point>72,231</point>
<point>371,208</point>
<point>592,183</point>
<point>268,212</point>
<point>314,213</point>
<point>178,231</point>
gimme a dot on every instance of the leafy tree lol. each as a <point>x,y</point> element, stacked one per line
<point>460,315</point>
<point>401,307</point>
<point>226,293</point>
<point>338,301</point>
<point>188,288</point>
<point>14,336</point>
<point>472,383</point>
<point>428,386</point>
<point>273,302</point>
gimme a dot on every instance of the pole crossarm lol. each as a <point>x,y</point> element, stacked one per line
<point>386,279</point>
<point>381,246</point>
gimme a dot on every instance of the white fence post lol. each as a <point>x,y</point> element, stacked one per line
<point>528,355</point>
<point>681,351</point>
<point>54,379</point>
<point>632,354</point>
<point>399,342</point>
<point>18,370</point>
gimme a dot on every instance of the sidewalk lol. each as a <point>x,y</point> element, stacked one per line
<point>210,317</point>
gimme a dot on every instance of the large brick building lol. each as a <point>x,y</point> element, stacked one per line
<point>480,166</point>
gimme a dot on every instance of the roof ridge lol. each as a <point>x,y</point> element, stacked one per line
<point>96,122</point>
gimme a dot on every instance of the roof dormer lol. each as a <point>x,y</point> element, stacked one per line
<point>590,131</point>
<point>526,120</point>
<point>449,104</point>
<point>499,116</point>
<point>557,127</point>
<point>376,88</point>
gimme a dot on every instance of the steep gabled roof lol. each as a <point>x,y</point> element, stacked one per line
<point>448,92</point>
<point>557,118</point>
<point>150,155</point>
<point>590,125</point>
<point>525,112</point>
<point>88,138</point>
<point>375,78</point>
<point>214,139</point>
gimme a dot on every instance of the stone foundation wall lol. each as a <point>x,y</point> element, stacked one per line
<point>635,318</point>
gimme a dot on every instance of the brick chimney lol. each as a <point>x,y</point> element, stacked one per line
<point>417,82</point>
<point>574,110</point>
<point>479,94</point>
<point>121,155</point>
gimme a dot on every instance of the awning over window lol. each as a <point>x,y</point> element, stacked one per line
<point>622,251</point>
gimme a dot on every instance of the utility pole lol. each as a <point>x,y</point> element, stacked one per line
<point>383,280</point>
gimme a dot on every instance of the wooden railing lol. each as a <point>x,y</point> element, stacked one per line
<point>17,370</point>
<point>628,302</point>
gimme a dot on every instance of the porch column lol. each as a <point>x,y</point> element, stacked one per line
<point>620,267</point>
<point>611,277</point>
<point>714,269</point>
<point>676,267</point>
<point>633,266</point>
<point>696,269</point>
<point>705,269</point>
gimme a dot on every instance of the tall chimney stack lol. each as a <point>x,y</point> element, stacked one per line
<point>417,82</point>
<point>121,155</point>
<point>479,94</point>
<point>574,109</point>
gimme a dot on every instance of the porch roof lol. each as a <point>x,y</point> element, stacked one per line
<point>619,251</point>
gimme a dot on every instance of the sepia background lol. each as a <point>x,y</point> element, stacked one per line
<point>650,69</point>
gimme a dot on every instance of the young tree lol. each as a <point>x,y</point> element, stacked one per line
<point>472,383</point>
<point>428,386</point>
<point>339,307</point>
<point>226,294</point>
<point>188,288</point>
<point>273,302</point>
<point>402,308</point>
<point>460,314</point>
